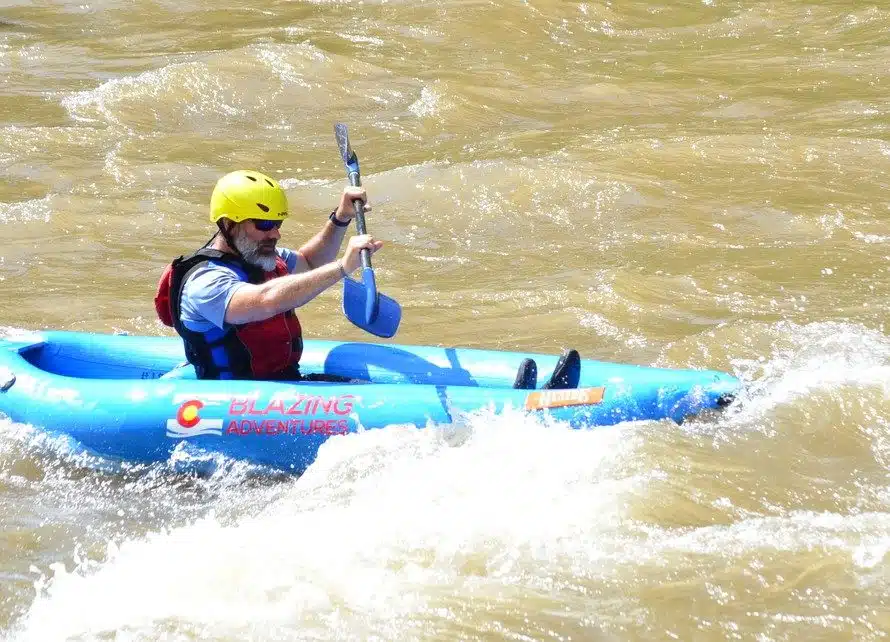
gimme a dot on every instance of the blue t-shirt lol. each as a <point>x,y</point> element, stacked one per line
<point>207,292</point>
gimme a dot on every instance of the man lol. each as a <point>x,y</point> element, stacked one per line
<point>233,301</point>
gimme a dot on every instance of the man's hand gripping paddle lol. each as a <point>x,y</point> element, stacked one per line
<point>362,304</point>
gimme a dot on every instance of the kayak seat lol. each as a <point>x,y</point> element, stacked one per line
<point>184,370</point>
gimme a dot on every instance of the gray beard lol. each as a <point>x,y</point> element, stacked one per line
<point>250,250</point>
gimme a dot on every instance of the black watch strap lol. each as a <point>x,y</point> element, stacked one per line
<point>335,221</point>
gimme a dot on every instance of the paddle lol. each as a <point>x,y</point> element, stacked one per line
<point>362,304</point>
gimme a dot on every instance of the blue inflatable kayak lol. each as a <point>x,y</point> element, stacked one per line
<point>126,397</point>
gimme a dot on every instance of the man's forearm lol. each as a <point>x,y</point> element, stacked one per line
<point>258,302</point>
<point>323,247</point>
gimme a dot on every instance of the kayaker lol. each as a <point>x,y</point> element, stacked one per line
<point>233,301</point>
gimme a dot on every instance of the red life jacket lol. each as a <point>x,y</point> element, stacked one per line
<point>268,349</point>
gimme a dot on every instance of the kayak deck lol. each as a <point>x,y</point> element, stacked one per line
<point>99,356</point>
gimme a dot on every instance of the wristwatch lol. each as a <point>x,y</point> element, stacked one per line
<point>333,218</point>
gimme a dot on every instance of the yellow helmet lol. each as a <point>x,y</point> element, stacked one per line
<point>247,194</point>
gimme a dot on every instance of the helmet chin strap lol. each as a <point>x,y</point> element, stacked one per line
<point>227,236</point>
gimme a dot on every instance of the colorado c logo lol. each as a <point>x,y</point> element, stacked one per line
<point>188,413</point>
<point>188,422</point>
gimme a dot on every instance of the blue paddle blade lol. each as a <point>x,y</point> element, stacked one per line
<point>358,305</point>
<point>371,300</point>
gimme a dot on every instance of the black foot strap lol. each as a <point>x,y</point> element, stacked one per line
<point>567,372</point>
<point>527,375</point>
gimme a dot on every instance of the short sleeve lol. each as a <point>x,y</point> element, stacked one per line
<point>289,257</point>
<point>206,296</point>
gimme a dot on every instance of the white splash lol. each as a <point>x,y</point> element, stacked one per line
<point>381,524</point>
<point>39,209</point>
<point>814,357</point>
<point>428,104</point>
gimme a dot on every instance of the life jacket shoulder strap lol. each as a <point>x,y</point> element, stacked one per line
<point>174,275</point>
<point>183,267</point>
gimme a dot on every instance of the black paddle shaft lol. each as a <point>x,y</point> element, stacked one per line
<point>354,174</point>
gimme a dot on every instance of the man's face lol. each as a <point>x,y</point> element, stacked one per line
<point>257,246</point>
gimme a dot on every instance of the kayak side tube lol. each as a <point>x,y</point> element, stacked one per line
<point>109,394</point>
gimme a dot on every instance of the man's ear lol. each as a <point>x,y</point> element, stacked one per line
<point>226,225</point>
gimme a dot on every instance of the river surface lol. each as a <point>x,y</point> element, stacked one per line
<point>684,184</point>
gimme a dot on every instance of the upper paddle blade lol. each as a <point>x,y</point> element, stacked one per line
<point>349,157</point>
<point>356,308</point>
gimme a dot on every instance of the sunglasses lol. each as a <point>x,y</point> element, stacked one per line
<point>265,226</point>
